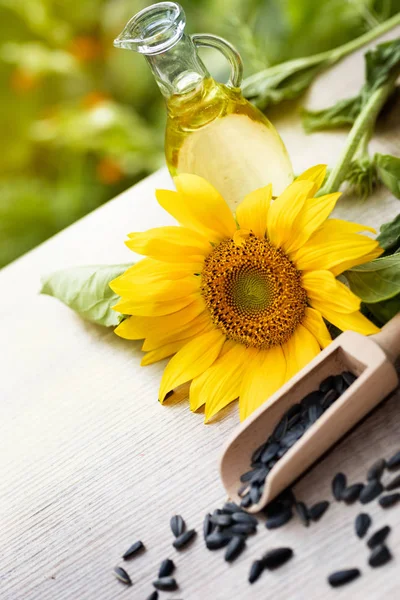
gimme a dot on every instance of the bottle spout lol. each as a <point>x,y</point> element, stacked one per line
<point>154,29</point>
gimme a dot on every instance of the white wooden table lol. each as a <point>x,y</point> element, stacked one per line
<point>91,462</point>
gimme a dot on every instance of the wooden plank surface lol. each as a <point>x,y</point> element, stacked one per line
<point>90,461</point>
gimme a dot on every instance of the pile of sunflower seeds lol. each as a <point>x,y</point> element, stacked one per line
<point>292,426</point>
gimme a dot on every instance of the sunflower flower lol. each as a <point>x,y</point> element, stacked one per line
<point>241,302</point>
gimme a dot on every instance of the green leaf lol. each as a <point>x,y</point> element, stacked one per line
<point>388,168</point>
<point>380,63</point>
<point>377,280</point>
<point>362,177</point>
<point>86,290</point>
<point>389,236</point>
<point>384,311</point>
<point>341,114</point>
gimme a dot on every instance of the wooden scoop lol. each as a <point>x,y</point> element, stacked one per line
<point>371,359</point>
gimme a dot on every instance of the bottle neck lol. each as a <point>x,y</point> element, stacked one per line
<point>179,69</point>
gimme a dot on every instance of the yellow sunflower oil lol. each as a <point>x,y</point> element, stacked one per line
<point>211,131</point>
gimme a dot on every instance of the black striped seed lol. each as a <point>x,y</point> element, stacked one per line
<point>270,452</point>
<point>242,517</point>
<point>317,510</point>
<point>362,524</point>
<point>276,558</point>
<point>243,490</point>
<point>246,501</point>
<point>339,384</point>
<point>379,537</point>
<point>352,493</point>
<point>371,491</point>
<point>247,476</point>
<point>167,584</point>
<point>255,570</point>
<point>184,539</point>
<point>217,540</point>
<point>279,519</point>
<point>244,528</point>
<point>221,520</point>
<point>302,511</point>
<point>379,556</point>
<point>394,462</point>
<point>326,384</point>
<point>132,550</point>
<point>234,548</point>
<point>376,470</point>
<point>153,596</point>
<point>394,484</point>
<point>122,575</point>
<point>348,377</point>
<point>339,485</point>
<point>389,500</point>
<point>330,397</point>
<point>231,507</point>
<point>177,525</point>
<point>167,567</point>
<point>207,525</point>
<point>342,577</point>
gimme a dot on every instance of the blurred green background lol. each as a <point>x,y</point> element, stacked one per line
<point>81,121</point>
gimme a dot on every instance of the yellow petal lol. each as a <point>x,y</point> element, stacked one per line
<point>299,350</point>
<point>199,206</point>
<point>170,244</point>
<point>315,212</point>
<point>264,375</point>
<point>252,213</point>
<point>354,321</point>
<point>316,175</point>
<point>192,360</point>
<point>164,351</point>
<point>325,291</point>
<point>315,324</point>
<point>156,290</point>
<point>240,237</point>
<point>148,269</point>
<point>137,328</point>
<point>194,327</point>
<point>153,309</point>
<point>349,264</point>
<point>334,227</point>
<point>284,210</point>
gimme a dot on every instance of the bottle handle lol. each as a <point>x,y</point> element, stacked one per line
<point>214,41</point>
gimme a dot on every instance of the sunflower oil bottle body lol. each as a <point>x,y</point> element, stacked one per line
<point>212,131</point>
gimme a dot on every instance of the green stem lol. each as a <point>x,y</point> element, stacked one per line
<point>364,123</point>
<point>329,56</point>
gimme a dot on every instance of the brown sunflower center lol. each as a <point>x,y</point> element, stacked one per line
<point>253,292</point>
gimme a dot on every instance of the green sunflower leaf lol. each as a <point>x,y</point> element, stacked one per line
<point>86,290</point>
<point>341,114</point>
<point>377,280</point>
<point>384,311</point>
<point>388,168</point>
<point>389,236</point>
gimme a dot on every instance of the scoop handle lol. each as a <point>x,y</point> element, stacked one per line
<point>389,338</point>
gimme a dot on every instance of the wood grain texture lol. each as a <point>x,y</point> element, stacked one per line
<point>90,461</point>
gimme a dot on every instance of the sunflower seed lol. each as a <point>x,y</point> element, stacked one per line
<point>231,507</point>
<point>246,501</point>
<point>207,525</point>
<point>293,421</point>
<point>342,577</point>
<point>371,491</point>
<point>270,452</point>
<point>352,493</point>
<point>243,490</point>
<point>276,558</point>
<point>290,438</point>
<point>394,462</point>
<point>255,570</point>
<point>329,398</point>
<point>348,377</point>
<point>134,549</point>
<point>166,568</point>
<point>326,384</point>
<point>302,511</point>
<point>376,470</point>
<point>312,398</point>
<point>379,556</point>
<point>279,519</point>
<point>315,412</point>
<point>167,584</point>
<point>255,494</point>
<point>221,520</point>
<point>339,384</point>
<point>255,457</point>
<point>389,500</point>
<point>153,596</point>
<point>259,476</point>
<point>247,476</point>
<point>245,528</point>
<point>317,510</point>
<point>217,540</point>
<point>362,524</point>
<point>379,537</point>
<point>177,525</point>
<point>280,429</point>
<point>122,575</point>
<point>394,484</point>
<point>242,517</point>
<point>184,539</point>
<point>234,548</point>
<point>339,485</point>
